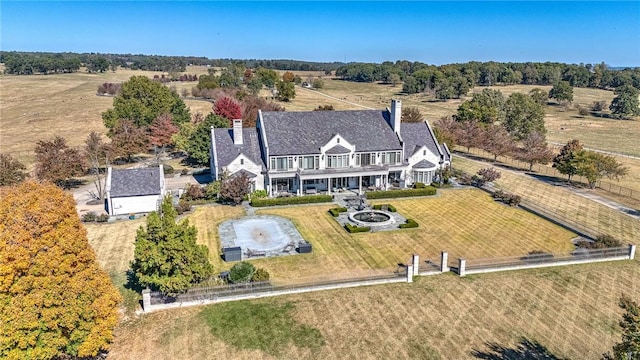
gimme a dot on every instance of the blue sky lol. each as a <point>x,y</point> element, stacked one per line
<point>430,32</point>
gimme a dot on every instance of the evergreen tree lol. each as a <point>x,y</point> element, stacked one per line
<point>629,347</point>
<point>55,300</point>
<point>166,256</point>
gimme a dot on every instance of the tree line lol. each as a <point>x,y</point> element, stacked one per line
<point>454,80</point>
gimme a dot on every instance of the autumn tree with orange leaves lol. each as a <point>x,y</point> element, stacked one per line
<point>55,300</point>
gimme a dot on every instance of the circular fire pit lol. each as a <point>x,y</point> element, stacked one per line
<point>371,218</point>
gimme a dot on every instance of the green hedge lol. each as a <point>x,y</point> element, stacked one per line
<point>427,191</point>
<point>390,207</point>
<point>419,185</point>
<point>336,211</point>
<point>409,224</point>
<point>291,200</point>
<point>356,229</point>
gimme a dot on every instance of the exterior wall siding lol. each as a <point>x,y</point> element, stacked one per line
<point>134,204</point>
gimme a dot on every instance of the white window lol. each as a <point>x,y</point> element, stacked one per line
<point>281,163</point>
<point>391,157</point>
<point>365,159</point>
<point>337,161</point>
<point>310,162</point>
<point>425,177</point>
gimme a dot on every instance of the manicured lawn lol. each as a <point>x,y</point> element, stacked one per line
<point>562,201</point>
<point>571,312</point>
<point>466,223</point>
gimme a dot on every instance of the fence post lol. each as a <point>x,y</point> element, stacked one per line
<point>632,251</point>
<point>146,300</point>
<point>462,264</point>
<point>409,273</point>
<point>444,261</point>
<point>416,264</point>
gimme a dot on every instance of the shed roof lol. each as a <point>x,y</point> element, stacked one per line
<point>135,182</point>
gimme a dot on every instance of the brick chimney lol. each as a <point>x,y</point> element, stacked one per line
<point>396,115</point>
<point>237,131</point>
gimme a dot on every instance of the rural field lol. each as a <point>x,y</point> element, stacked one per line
<point>566,312</point>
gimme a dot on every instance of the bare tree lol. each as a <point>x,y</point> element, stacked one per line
<point>98,154</point>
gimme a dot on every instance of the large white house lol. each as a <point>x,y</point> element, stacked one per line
<point>132,191</point>
<point>313,151</point>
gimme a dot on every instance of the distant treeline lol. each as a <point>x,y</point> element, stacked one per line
<point>454,80</point>
<point>27,63</point>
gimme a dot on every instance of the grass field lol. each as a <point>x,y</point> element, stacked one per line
<point>562,201</point>
<point>571,312</point>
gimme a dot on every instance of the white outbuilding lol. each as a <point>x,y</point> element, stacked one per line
<point>132,191</point>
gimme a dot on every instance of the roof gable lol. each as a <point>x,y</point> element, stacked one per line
<point>135,182</point>
<point>294,133</point>
<point>417,135</point>
<point>227,151</point>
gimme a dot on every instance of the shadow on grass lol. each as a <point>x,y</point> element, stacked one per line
<point>525,350</point>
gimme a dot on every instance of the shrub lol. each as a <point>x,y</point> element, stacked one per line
<point>241,272</point>
<point>598,106</point>
<point>212,190</point>
<point>310,199</point>
<point>465,179</point>
<point>537,255</point>
<point>419,185</point>
<point>182,207</point>
<point>427,191</point>
<point>260,194</point>
<point>356,229</point>
<point>260,275</point>
<point>409,224</point>
<point>389,207</point>
<point>168,169</point>
<point>336,211</point>
<point>488,175</point>
<point>89,217</point>
<point>193,192</point>
<point>583,111</point>
<point>509,199</point>
<point>601,242</point>
<point>102,218</point>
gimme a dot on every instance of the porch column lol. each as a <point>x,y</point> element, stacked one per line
<point>360,185</point>
<point>329,185</point>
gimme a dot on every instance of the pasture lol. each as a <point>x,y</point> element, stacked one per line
<point>568,312</point>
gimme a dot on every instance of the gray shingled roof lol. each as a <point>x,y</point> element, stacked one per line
<point>338,149</point>
<point>227,151</point>
<point>446,152</point>
<point>292,133</point>
<point>416,135</point>
<point>248,173</point>
<point>423,164</point>
<point>135,182</point>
